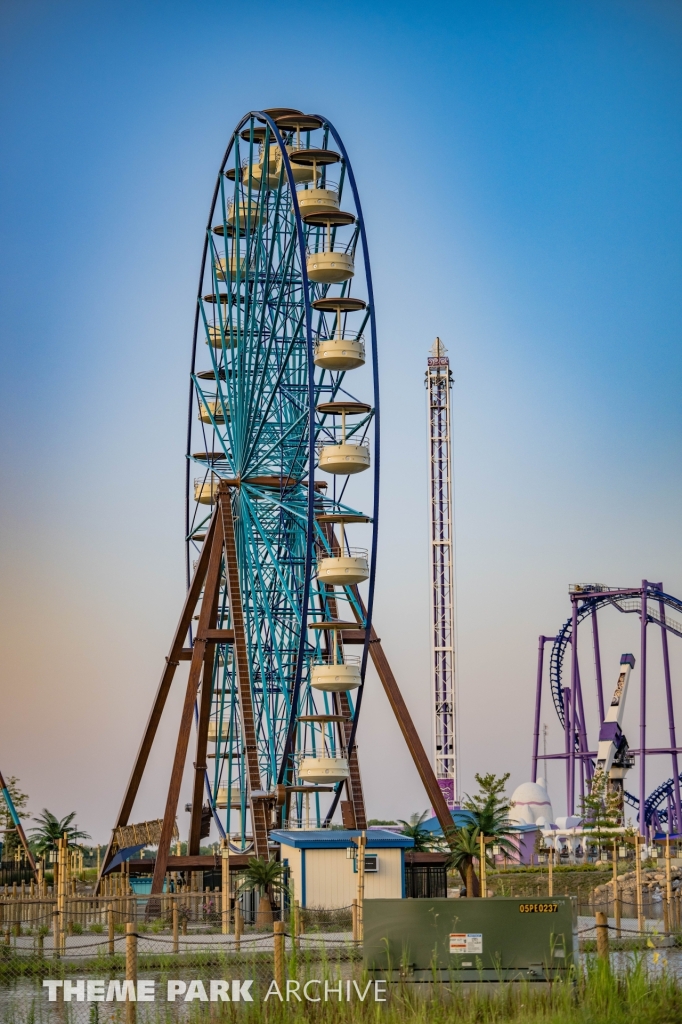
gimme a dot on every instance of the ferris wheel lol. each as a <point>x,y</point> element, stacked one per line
<point>283,430</point>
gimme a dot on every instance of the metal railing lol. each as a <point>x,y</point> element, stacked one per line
<point>347,248</point>
<point>329,186</point>
<point>303,823</point>
<point>328,659</point>
<point>349,441</point>
<point>201,481</point>
<point>347,553</point>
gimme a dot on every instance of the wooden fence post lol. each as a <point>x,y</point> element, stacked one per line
<point>176,934</point>
<point>602,928</point>
<point>110,927</point>
<point>297,922</point>
<point>617,909</point>
<point>131,971</point>
<point>638,840</point>
<point>278,928</point>
<point>225,908</point>
<point>361,842</point>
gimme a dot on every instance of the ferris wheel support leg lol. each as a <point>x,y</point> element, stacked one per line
<point>404,719</point>
<point>196,665</point>
<point>194,843</point>
<point>353,784</point>
<point>259,807</point>
<point>162,692</point>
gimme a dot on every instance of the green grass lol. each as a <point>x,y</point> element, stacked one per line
<point>594,996</point>
<point>597,997</point>
<point>533,882</point>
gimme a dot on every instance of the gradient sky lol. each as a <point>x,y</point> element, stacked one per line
<point>519,167</point>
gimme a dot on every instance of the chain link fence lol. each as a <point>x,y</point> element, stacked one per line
<point>178,954</point>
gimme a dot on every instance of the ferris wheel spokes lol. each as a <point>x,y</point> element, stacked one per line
<point>271,375</point>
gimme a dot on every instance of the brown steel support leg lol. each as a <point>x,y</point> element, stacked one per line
<point>354,782</point>
<point>259,811</point>
<point>196,664</point>
<point>404,719</point>
<point>194,843</point>
<point>172,662</point>
<point>342,705</point>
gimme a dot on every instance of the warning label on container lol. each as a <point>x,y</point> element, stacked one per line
<point>466,942</point>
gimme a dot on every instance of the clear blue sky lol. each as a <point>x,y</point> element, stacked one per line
<point>519,165</point>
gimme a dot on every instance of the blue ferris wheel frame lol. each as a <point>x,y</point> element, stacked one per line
<point>283,769</point>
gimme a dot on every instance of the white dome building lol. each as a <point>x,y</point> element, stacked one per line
<point>530,804</point>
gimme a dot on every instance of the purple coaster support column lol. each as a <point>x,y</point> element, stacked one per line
<point>642,712</point>
<point>597,665</point>
<point>538,700</point>
<point>542,640</point>
<point>585,762</point>
<point>574,688</point>
<point>567,742</point>
<point>671,722</point>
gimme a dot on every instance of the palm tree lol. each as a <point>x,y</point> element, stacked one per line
<point>264,875</point>
<point>422,838</point>
<point>489,812</point>
<point>50,829</point>
<point>494,823</point>
<point>464,846</point>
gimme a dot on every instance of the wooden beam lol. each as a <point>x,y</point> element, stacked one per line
<point>356,797</point>
<point>353,636</point>
<point>196,665</point>
<point>204,862</point>
<point>218,636</point>
<point>259,808</point>
<point>175,655</point>
<point>194,841</point>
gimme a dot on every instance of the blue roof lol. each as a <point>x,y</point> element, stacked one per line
<point>461,818</point>
<point>338,839</point>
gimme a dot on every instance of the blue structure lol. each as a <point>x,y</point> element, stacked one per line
<point>266,400</point>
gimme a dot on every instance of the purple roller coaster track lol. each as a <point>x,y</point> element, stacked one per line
<point>662,809</point>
